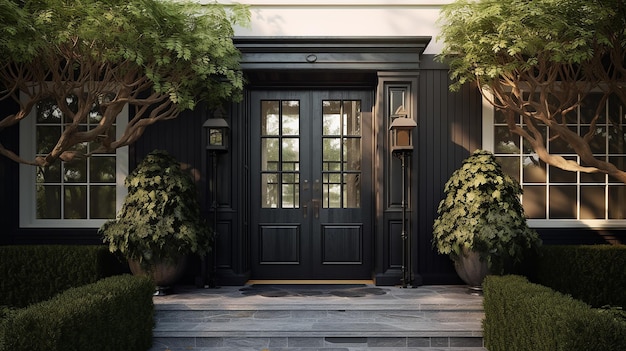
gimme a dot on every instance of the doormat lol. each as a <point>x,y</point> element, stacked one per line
<point>348,290</point>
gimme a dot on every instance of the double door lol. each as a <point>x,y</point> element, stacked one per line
<point>312,191</point>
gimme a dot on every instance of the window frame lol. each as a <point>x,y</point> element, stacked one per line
<point>28,176</point>
<point>488,123</point>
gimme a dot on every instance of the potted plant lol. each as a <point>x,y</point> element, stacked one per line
<point>481,224</point>
<point>159,224</point>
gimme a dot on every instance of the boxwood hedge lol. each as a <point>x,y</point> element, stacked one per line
<point>591,273</point>
<point>33,273</point>
<point>114,313</point>
<point>520,315</point>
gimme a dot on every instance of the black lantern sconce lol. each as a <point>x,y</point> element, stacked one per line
<point>217,133</point>
<point>401,131</point>
<point>401,134</point>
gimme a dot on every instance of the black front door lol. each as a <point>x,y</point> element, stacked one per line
<point>311,184</point>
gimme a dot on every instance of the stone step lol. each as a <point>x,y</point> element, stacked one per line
<point>390,322</point>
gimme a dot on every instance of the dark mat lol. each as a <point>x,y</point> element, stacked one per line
<point>346,290</point>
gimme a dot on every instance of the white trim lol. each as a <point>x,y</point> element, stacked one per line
<point>27,174</point>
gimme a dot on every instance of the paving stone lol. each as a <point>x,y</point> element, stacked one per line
<point>424,319</point>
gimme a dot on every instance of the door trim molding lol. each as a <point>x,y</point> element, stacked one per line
<point>331,53</point>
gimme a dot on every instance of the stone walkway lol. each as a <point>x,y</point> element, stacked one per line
<point>307,318</point>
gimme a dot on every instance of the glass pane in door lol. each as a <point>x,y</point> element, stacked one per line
<point>341,154</point>
<point>280,154</point>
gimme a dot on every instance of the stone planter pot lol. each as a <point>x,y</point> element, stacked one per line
<point>164,274</point>
<point>471,269</point>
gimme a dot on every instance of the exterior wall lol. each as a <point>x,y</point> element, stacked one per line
<point>449,129</point>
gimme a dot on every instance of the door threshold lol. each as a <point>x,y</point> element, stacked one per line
<point>309,281</point>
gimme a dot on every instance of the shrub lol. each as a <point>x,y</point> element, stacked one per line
<point>30,274</point>
<point>520,315</point>
<point>481,212</point>
<point>115,313</point>
<point>591,273</point>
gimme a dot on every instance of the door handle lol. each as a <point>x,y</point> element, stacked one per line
<point>316,207</point>
<point>305,205</point>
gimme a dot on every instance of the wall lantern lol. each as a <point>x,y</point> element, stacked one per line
<point>402,147</point>
<point>401,131</point>
<point>217,133</point>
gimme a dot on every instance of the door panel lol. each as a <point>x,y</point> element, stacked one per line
<point>311,184</point>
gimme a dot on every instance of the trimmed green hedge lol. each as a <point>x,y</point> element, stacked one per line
<point>114,313</point>
<point>591,273</point>
<point>520,315</point>
<point>30,274</point>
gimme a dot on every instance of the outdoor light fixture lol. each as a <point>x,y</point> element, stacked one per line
<point>217,138</point>
<point>217,133</point>
<point>401,131</point>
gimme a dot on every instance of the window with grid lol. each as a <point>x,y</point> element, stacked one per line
<point>82,193</point>
<point>562,196</point>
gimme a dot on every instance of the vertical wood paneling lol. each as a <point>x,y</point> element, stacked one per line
<point>449,129</point>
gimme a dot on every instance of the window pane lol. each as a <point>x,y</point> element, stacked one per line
<point>352,118</point>
<point>563,202</point>
<point>102,201</point>
<point>332,149</point>
<point>94,145</point>
<point>290,190</point>
<point>291,118</point>
<point>47,137</point>
<point>506,142</point>
<point>592,202</point>
<point>75,172</point>
<point>352,191</point>
<point>269,118</point>
<point>102,170</point>
<point>598,140</point>
<point>75,202</point>
<point>48,202</point>
<point>352,154</point>
<point>556,145</point>
<point>534,201</point>
<point>617,205</point>
<point>331,118</point>
<point>332,195</point>
<point>500,117</point>
<point>534,169</point>
<point>291,149</point>
<point>269,154</point>
<point>269,188</point>
<point>510,165</point>
<point>619,162</point>
<point>558,175</point>
<point>49,174</point>
<point>527,148</point>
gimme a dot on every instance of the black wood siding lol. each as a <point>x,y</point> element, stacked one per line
<point>449,129</point>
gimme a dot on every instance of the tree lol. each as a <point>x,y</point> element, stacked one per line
<point>159,56</point>
<point>541,60</point>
